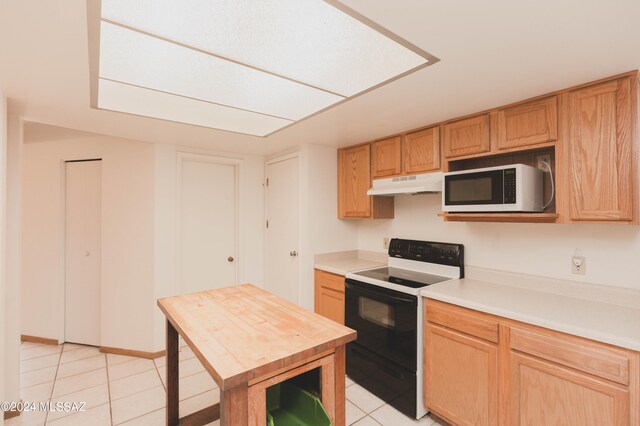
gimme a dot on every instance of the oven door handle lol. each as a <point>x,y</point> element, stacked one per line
<point>408,299</point>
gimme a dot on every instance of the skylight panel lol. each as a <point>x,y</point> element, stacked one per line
<point>283,59</point>
<point>121,97</point>
<point>146,61</point>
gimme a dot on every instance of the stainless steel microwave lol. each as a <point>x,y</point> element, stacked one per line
<point>511,188</point>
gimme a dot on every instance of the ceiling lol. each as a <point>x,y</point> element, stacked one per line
<point>492,52</point>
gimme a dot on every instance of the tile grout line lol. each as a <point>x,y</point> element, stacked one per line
<point>53,388</point>
<point>37,357</point>
<point>164,407</point>
<point>37,369</point>
<point>78,374</point>
<point>160,377</point>
<point>106,362</point>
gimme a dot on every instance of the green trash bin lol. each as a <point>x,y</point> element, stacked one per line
<point>288,405</point>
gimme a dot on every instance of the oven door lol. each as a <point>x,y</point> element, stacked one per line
<point>386,321</point>
<point>476,191</point>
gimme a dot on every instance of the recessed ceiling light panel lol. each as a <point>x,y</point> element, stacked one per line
<point>284,59</point>
<point>135,100</point>
<point>147,61</point>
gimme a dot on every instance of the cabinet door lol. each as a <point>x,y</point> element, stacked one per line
<point>353,182</point>
<point>532,123</point>
<point>600,152</point>
<point>543,393</point>
<point>466,137</point>
<point>421,151</point>
<point>386,158</point>
<point>329,295</point>
<point>461,377</point>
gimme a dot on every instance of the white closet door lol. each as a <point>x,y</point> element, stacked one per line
<point>207,225</point>
<point>283,232</point>
<point>82,252</point>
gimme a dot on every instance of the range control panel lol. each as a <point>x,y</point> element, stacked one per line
<point>427,251</point>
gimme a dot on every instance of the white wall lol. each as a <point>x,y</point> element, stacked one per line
<point>612,251</point>
<point>321,230</point>
<point>127,285</point>
<point>3,185</point>
<point>13,254</point>
<point>251,236</point>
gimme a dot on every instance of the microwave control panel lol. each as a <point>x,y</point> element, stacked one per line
<point>510,186</point>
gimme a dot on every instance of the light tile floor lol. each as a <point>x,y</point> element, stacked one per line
<point>122,390</point>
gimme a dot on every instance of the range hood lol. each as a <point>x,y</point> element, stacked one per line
<point>414,184</point>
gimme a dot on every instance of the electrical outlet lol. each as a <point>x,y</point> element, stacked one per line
<point>385,243</point>
<point>544,158</point>
<point>578,265</point>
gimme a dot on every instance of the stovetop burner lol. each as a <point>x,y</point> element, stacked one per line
<point>402,277</point>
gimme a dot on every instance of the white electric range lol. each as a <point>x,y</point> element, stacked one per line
<point>384,306</point>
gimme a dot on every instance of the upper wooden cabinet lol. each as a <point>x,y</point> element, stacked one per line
<point>601,158</point>
<point>386,158</point>
<point>589,132</point>
<point>421,151</point>
<point>466,137</point>
<point>526,124</point>
<point>354,180</point>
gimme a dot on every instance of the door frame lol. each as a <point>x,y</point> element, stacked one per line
<point>267,163</point>
<point>63,239</point>
<point>208,159</point>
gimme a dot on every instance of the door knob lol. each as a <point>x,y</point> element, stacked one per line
<point>293,253</point>
<point>230,258</point>
<point>86,253</point>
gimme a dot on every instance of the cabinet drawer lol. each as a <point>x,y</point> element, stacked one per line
<point>580,354</point>
<point>463,320</point>
<point>331,281</point>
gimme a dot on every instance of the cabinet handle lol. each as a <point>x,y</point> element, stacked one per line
<point>230,258</point>
<point>293,253</point>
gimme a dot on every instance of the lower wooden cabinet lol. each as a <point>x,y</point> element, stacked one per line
<point>524,375</point>
<point>543,393</point>
<point>461,377</point>
<point>329,295</point>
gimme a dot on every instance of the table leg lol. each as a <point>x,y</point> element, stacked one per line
<point>257,406</point>
<point>173,400</point>
<point>328,388</point>
<point>234,409</point>
<point>340,393</point>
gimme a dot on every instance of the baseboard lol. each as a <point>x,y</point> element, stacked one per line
<point>11,414</point>
<point>131,352</point>
<point>36,339</point>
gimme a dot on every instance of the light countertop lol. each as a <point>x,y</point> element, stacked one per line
<point>348,261</point>
<point>614,319</point>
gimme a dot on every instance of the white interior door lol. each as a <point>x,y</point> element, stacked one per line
<point>207,224</point>
<point>82,252</point>
<point>283,211</point>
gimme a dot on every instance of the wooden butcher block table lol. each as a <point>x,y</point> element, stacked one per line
<point>249,340</point>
